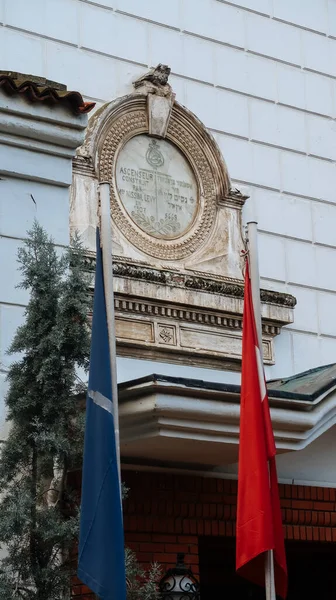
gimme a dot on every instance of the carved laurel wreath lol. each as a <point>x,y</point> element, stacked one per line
<point>132,120</point>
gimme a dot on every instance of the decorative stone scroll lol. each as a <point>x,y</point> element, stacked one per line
<point>176,229</point>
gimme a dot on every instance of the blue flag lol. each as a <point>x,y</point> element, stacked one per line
<point>101,561</point>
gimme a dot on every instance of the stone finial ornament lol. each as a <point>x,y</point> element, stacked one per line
<point>160,98</point>
<point>156,81</point>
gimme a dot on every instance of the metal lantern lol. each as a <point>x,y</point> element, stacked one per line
<point>179,583</point>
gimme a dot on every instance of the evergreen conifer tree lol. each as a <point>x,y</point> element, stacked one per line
<point>38,517</point>
<point>45,438</point>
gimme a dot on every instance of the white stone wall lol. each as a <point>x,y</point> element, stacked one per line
<point>17,212</point>
<point>261,74</point>
<point>37,143</point>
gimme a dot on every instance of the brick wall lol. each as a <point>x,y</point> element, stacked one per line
<point>164,514</point>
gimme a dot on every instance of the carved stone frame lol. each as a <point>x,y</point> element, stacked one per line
<point>172,293</point>
<point>128,118</point>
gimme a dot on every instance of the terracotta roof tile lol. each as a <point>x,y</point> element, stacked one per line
<point>38,89</point>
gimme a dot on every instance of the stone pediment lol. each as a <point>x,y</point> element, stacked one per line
<point>176,230</point>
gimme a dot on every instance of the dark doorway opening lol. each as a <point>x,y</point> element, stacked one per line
<point>311,571</point>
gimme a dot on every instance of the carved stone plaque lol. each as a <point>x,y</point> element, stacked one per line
<point>176,231</point>
<point>157,187</point>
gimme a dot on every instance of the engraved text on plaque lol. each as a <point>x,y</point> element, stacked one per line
<point>156,186</point>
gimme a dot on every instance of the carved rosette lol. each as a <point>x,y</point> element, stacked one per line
<point>184,133</point>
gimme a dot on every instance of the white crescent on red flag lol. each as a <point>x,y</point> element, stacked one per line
<point>259,523</point>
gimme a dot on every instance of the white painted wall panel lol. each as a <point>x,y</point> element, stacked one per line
<point>167,46</point>
<point>201,99</point>
<point>277,125</point>
<point>290,83</point>
<point>327,350</point>
<point>326,307</point>
<point>325,265</point>
<point>318,53</point>
<point>178,83</point>
<point>98,85</point>
<point>113,34</point>
<point>306,176</point>
<point>321,136</point>
<point>271,38</point>
<point>282,214</point>
<point>232,113</point>
<point>306,352</point>
<point>260,6</point>
<point>236,152</point>
<point>107,3</point>
<point>261,77</point>
<point>54,18</point>
<point>331,24</point>
<point>319,94</point>
<point>168,13</point>
<point>21,52</point>
<point>37,143</point>
<point>215,108</point>
<point>30,200</point>
<point>9,273</point>
<point>284,359</point>
<point>199,58</point>
<point>272,257</point>
<point>312,14</point>
<point>316,463</point>
<point>306,312</point>
<point>229,65</point>
<point>49,168</point>
<point>301,263</point>
<point>324,219</point>
<point>231,68</point>
<point>214,20</point>
<point>250,162</point>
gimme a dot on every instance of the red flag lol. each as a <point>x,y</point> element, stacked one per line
<point>259,523</point>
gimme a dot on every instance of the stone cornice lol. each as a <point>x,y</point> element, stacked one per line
<point>200,282</point>
<point>192,419</point>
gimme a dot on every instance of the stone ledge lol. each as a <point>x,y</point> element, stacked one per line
<point>201,282</point>
<point>179,316</point>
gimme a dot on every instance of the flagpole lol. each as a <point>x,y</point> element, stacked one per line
<point>106,244</point>
<point>255,287</point>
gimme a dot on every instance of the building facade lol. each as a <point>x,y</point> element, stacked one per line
<point>245,122</point>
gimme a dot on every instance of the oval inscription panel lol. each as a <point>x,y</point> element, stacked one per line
<point>156,186</point>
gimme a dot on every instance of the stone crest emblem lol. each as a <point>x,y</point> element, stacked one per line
<point>154,156</point>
